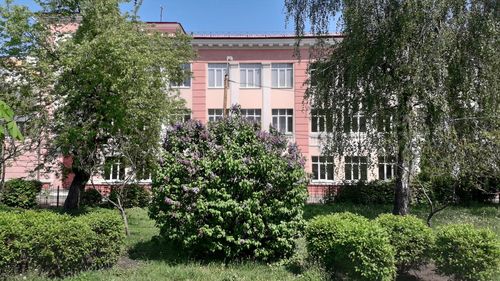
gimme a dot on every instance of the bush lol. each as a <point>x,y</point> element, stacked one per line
<point>133,195</point>
<point>411,238</point>
<point>91,197</point>
<point>351,246</point>
<point>21,193</point>
<point>374,192</point>
<point>229,191</point>
<point>57,245</point>
<point>467,253</point>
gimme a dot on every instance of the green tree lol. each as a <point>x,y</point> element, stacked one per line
<point>112,88</point>
<point>418,71</point>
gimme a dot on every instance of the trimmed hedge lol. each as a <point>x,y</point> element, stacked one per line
<point>374,192</point>
<point>411,238</point>
<point>20,193</point>
<point>467,253</point>
<point>351,246</point>
<point>58,245</point>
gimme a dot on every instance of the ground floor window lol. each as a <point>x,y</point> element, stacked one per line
<point>386,167</point>
<point>215,114</point>
<point>251,114</point>
<point>356,168</point>
<point>283,120</point>
<point>114,169</point>
<point>322,168</point>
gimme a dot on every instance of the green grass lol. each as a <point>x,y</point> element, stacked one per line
<point>147,259</point>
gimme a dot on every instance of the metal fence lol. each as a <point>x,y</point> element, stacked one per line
<point>52,197</point>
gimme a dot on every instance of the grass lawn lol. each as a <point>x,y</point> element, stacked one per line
<point>145,259</point>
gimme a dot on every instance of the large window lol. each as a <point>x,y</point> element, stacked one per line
<point>356,168</point>
<point>355,122</point>
<point>250,75</point>
<point>216,73</point>
<point>322,168</point>
<point>386,167</point>
<point>283,120</point>
<point>282,75</point>
<point>214,114</point>
<point>114,169</point>
<point>186,83</point>
<point>320,122</point>
<point>251,114</point>
<point>384,123</point>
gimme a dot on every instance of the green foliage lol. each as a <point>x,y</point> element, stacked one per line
<point>131,195</point>
<point>467,253</point>
<point>374,192</point>
<point>411,238</point>
<point>91,197</point>
<point>20,193</point>
<point>7,124</point>
<point>58,245</point>
<point>351,246</point>
<point>229,190</point>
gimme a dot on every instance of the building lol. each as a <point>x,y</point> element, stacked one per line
<point>268,81</point>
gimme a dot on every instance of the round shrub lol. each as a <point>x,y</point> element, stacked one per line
<point>91,197</point>
<point>351,246</point>
<point>58,245</point>
<point>132,195</point>
<point>21,193</point>
<point>411,238</point>
<point>229,190</point>
<point>467,253</point>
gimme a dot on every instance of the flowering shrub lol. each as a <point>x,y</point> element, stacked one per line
<point>229,190</point>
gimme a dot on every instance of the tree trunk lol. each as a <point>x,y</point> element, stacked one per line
<point>76,188</point>
<point>125,220</point>
<point>402,187</point>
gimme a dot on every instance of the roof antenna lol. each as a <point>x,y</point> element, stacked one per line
<point>161,13</point>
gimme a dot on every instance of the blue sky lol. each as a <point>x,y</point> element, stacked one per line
<point>215,16</point>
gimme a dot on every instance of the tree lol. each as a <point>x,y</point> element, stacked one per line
<point>112,90</point>
<point>23,82</point>
<point>416,71</point>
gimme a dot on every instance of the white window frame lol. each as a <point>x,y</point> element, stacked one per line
<point>279,74</point>
<point>218,70</point>
<point>319,123</point>
<point>277,116</point>
<point>186,83</point>
<point>252,114</point>
<point>355,172</point>
<point>215,114</point>
<point>323,169</point>
<point>116,164</point>
<point>386,167</point>
<point>250,75</point>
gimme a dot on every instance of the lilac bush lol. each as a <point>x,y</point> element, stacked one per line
<point>229,190</point>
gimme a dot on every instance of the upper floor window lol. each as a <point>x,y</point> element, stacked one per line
<point>215,114</point>
<point>386,167</point>
<point>283,120</point>
<point>384,123</point>
<point>356,168</point>
<point>320,122</point>
<point>282,75</point>
<point>216,73</point>
<point>251,114</point>
<point>186,83</point>
<point>114,169</point>
<point>322,168</point>
<point>355,123</point>
<point>250,75</point>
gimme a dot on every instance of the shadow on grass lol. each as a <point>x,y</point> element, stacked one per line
<point>158,249</point>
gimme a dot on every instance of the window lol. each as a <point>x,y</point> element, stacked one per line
<point>250,75</point>
<point>356,168</point>
<point>216,73</point>
<point>322,168</point>
<point>355,123</point>
<point>283,120</point>
<point>186,83</point>
<point>251,114</point>
<point>320,122</point>
<point>384,123</point>
<point>282,75</point>
<point>386,167</point>
<point>182,116</point>
<point>114,169</point>
<point>143,173</point>
<point>214,114</point>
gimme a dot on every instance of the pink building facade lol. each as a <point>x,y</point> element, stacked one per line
<point>268,81</point>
